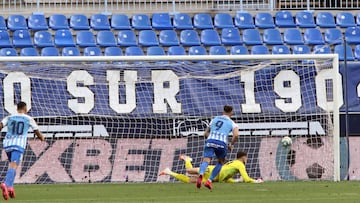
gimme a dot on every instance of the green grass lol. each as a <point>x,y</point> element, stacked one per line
<point>279,192</point>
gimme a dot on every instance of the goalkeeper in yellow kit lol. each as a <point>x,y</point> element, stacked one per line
<point>227,172</point>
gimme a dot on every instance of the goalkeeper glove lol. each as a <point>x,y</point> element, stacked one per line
<point>259,180</point>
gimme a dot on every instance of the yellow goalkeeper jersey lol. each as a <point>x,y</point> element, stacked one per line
<point>230,169</point>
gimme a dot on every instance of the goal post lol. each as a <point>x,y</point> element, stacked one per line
<point>125,118</point>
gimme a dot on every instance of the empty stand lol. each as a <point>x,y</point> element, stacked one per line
<point>223,20</point>
<point>210,37</point>
<point>148,38</point>
<point>120,22</point>
<point>5,39</point>
<point>264,20</point>
<point>230,36</point>
<point>134,51</point>
<point>280,49</point>
<point>244,20</point>
<point>161,21</point>
<point>155,51</point>
<point>252,37</point>
<point>79,22</point>
<point>58,21</point>
<point>313,36</point>
<point>345,19</point>
<point>29,51</point>
<point>16,22</point>
<point>352,35</point>
<point>182,21</point>
<point>272,37</point>
<point>292,36</point>
<point>284,19</point>
<point>92,51</point>
<point>340,49</point>
<point>2,23</point>
<point>63,38</point>
<point>176,50</point>
<point>37,22</point>
<point>333,36</point>
<point>22,38</point>
<point>70,51</point>
<point>301,49</point>
<point>259,49</point>
<point>217,50</point>
<point>239,50</point>
<point>197,50</point>
<point>168,38</point>
<point>305,19</point>
<point>50,51</point>
<point>85,39</point>
<point>106,38</point>
<point>189,38</point>
<point>321,49</point>
<point>99,22</point>
<point>8,52</point>
<point>113,51</point>
<point>325,20</point>
<point>43,39</point>
<point>140,22</point>
<point>127,38</point>
<point>203,21</point>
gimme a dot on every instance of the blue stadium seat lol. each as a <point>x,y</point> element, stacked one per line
<point>50,51</point>
<point>357,52</point>
<point>292,36</point>
<point>37,22</point>
<point>16,22</point>
<point>210,37</point>
<point>313,36</point>
<point>259,49</point>
<point>264,20</point>
<point>4,39</point>
<point>252,37</point>
<point>8,52</point>
<point>217,50</point>
<point>85,39</point>
<point>244,20</point>
<point>29,51</point>
<point>120,22</point>
<point>280,49</point>
<point>325,20</point>
<point>155,51</point>
<point>239,50</point>
<point>92,51</point>
<point>43,39</point>
<point>352,35</point>
<point>345,19</point>
<point>113,51</point>
<point>22,38</point>
<point>176,50</point>
<point>106,38</point>
<point>284,19</point>
<point>333,36</point>
<point>182,21</point>
<point>63,38</point>
<point>321,49</point>
<point>127,38</point>
<point>301,49</point>
<point>203,21</point>
<point>168,38</point>
<point>223,20</point>
<point>189,38</point>
<point>230,36</point>
<point>305,19</point>
<point>197,50</point>
<point>58,21</point>
<point>161,21</point>
<point>148,38</point>
<point>70,51</point>
<point>2,23</point>
<point>134,51</point>
<point>272,37</point>
<point>140,22</point>
<point>358,19</point>
<point>79,22</point>
<point>340,49</point>
<point>99,22</point>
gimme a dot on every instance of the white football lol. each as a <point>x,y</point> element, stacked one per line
<point>286,141</point>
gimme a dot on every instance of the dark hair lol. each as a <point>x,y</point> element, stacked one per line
<point>228,109</point>
<point>240,154</point>
<point>21,105</point>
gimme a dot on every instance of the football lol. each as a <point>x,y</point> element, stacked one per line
<point>286,141</point>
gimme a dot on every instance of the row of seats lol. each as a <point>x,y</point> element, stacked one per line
<point>163,21</point>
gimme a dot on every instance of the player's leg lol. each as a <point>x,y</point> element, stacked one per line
<point>187,160</point>
<point>11,173</point>
<point>220,154</point>
<point>193,171</point>
<point>178,176</point>
<point>208,153</point>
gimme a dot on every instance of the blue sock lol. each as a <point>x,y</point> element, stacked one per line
<point>10,177</point>
<point>215,171</point>
<point>203,167</point>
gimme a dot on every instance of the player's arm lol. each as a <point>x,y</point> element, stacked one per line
<point>244,174</point>
<point>4,122</point>
<point>207,133</point>
<point>235,136</point>
<point>37,132</point>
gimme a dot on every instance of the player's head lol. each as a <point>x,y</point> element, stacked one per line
<point>21,107</point>
<point>242,156</point>
<point>228,110</point>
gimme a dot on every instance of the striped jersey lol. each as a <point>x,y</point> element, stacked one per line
<point>17,129</point>
<point>220,127</point>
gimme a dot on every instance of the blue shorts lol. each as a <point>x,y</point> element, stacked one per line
<point>215,148</point>
<point>14,156</point>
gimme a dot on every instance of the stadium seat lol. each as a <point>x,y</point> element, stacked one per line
<point>92,51</point>
<point>352,35</point>
<point>168,38</point>
<point>63,38</point>
<point>321,49</point>
<point>333,36</point>
<point>244,20</point>
<point>148,38</point>
<point>161,21</point>
<point>210,37</point>
<point>301,49</point>
<point>113,51</point>
<point>358,19</point>
<point>223,20</point>
<point>8,52</point>
<point>4,39</point>
<point>120,22</point>
<point>22,38</point>
<point>58,21</point>
<point>2,23</point>
<point>16,22</point>
<point>43,39</point>
<point>182,21</point>
<point>264,20</point>
<point>70,51</point>
<point>292,36</point>
<point>85,39</point>
<point>197,50</point>
<point>259,49</point>
<point>127,38</point>
<point>345,19</point>
<point>252,37</point>
<point>239,50</point>
<point>134,51</point>
<point>37,22</point>
<point>313,36</point>
<point>155,51</point>
<point>203,21</point>
<point>79,22</point>
<point>325,20</point>
<point>140,22</point>
<point>99,22</point>
<point>217,50</point>
<point>272,37</point>
<point>230,36</point>
<point>305,19</point>
<point>176,50</point>
<point>357,52</point>
<point>284,19</point>
<point>189,38</point>
<point>340,49</point>
<point>280,49</point>
<point>29,51</point>
<point>106,38</point>
<point>50,51</point>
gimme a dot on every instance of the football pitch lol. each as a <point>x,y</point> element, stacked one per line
<point>319,192</point>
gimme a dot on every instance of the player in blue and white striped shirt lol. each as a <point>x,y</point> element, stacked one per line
<point>14,144</point>
<point>216,144</point>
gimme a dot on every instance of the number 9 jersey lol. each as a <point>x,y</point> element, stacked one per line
<point>17,129</point>
<point>220,127</point>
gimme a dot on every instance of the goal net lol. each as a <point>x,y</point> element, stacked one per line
<point>119,119</point>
